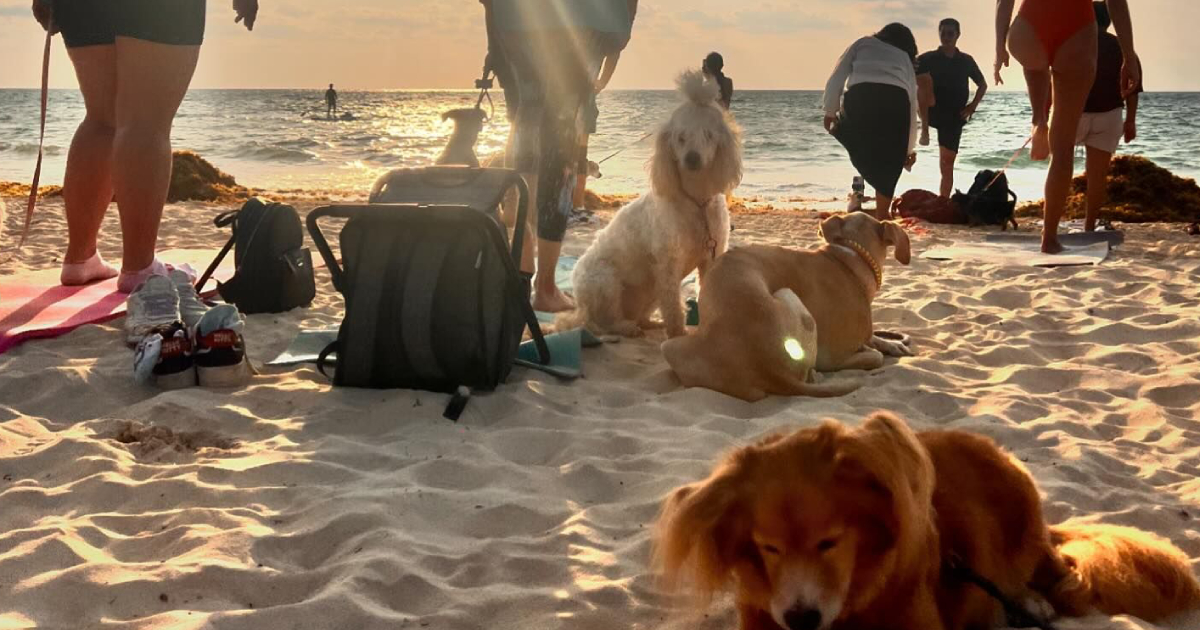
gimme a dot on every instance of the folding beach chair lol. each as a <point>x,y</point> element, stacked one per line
<point>434,296</point>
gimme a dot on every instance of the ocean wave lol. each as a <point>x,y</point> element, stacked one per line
<point>30,148</point>
<point>273,153</point>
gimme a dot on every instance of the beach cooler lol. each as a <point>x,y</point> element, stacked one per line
<point>434,296</point>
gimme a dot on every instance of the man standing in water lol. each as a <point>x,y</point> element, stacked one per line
<point>945,72</point>
<point>330,101</point>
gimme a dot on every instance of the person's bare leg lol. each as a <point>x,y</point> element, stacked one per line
<point>87,184</point>
<point>152,80</point>
<point>946,162</point>
<point>1098,164</point>
<point>1027,49</point>
<point>547,297</point>
<point>1074,71</point>
<point>883,207</point>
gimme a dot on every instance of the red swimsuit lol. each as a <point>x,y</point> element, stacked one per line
<point>1055,21</point>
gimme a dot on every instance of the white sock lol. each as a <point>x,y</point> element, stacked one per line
<point>86,272</point>
<point>130,281</point>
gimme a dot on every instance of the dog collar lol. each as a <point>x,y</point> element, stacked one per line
<point>710,242</point>
<point>867,258</point>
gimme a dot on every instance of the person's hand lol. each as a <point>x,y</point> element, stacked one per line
<point>912,159</point>
<point>830,123</point>
<point>1001,62</point>
<point>924,138</point>
<point>1131,75</point>
<point>599,86</point>
<point>1130,130</point>
<point>247,12</point>
<point>969,111</point>
<point>43,12</point>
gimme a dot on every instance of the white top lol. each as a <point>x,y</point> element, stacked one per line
<point>870,60</point>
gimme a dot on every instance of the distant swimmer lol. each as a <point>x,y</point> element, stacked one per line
<point>330,101</point>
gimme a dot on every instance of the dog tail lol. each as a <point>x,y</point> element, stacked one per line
<point>831,389</point>
<point>570,320</point>
<point>1122,571</point>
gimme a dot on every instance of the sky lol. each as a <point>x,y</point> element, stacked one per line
<point>439,44</point>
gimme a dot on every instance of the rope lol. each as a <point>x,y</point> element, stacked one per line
<point>628,146</point>
<point>37,170</point>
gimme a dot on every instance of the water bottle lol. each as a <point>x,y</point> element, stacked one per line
<point>858,189</point>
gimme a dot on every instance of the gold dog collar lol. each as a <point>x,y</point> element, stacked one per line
<point>868,258</point>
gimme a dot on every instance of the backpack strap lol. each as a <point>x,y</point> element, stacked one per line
<point>361,322</point>
<point>420,288</point>
<point>323,359</point>
<point>222,220</point>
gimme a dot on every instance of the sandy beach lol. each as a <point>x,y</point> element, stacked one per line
<point>288,504</point>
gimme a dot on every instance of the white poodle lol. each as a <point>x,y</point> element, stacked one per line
<point>639,260</point>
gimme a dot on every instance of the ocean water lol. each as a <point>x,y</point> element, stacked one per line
<point>279,139</point>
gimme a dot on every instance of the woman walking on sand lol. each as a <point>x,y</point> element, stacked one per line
<point>134,60</point>
<point>876,118</point>
<point>1055,42</point>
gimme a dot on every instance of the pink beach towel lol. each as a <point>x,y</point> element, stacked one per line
<point>34,305</point>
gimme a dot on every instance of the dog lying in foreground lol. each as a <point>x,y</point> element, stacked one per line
<point>839,528</point>
<point>638,261</point>
<point>759,305</point>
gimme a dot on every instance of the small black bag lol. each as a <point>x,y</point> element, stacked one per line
<point>274,270</point>
<point>434,298</point>
<point>989,201</point>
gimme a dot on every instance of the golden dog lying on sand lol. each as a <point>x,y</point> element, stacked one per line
<point>756,304</point>
<point>843,528</point>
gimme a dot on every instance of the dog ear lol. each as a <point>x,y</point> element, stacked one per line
<point>831,228</point>
<point>895,236</point>
<point>884,459</point>
<point>664,170</point>
<point>700,531</point>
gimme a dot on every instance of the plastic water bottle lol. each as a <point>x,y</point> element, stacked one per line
<point>858,189</point>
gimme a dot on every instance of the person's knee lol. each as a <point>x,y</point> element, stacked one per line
<point>99,124</point>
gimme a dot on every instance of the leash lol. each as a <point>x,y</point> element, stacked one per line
<point>1018,615</point>
<point>37,170</point>
<point>628,146</point>
<point>1007,164</point>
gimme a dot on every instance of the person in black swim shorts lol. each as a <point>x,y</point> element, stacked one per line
<point>946,72</point>
<point>134,60</point>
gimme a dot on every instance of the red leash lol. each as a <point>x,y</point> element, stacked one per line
<point>37,170</point>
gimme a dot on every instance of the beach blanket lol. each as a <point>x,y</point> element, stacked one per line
<point>34,305</point>
<point>1025,253</point>
<point>1112,237</point>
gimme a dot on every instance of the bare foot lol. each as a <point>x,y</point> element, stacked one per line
<point>554,301</point>
<point>1041,143</point>
<point>88,271</point>
<point>1051,245</point>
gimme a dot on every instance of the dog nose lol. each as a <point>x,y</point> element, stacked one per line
<point>802,619</point>
<point>692,160</point>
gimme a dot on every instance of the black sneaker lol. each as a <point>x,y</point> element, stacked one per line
<point>164,357</point>
<point>220,354</point>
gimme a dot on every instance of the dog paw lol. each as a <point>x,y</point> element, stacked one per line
<point>892,348</point>
<point>628,329</point>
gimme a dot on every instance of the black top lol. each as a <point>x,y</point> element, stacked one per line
<point>1106,91</point>
<point>950,76</point>
<point>726,85</point>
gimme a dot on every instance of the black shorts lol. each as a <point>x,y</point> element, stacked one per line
<point>875,129</point>
<point>949,131</point>
<point>100,22</point>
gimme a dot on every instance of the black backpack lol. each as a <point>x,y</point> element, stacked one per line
<point>274,271</point>
<point>434,298</point>
<point>989,201</point>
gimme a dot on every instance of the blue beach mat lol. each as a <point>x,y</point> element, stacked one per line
<point>566,360</point>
